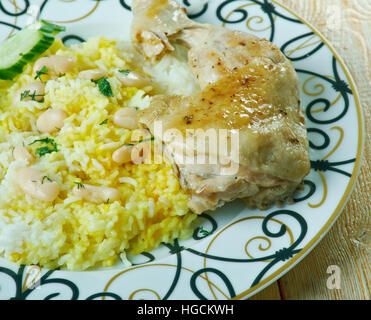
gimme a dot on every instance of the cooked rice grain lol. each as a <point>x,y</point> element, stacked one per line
<point>70,233</point>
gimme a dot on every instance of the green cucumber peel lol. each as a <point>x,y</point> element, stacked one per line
<point>25,47</point>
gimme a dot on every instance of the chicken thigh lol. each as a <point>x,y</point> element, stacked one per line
<point>249,94</point>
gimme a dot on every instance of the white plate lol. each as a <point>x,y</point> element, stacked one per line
<point>246,250</point>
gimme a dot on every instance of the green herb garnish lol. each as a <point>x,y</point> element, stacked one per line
<point>50,147</point>
<point>104,122</point>
<point>80,185</point>
<point>43,151</point>
<point>107,202</point>
<point>43,70</point>
<point>27,94</point>
<point>146,140</point>
<point>46,177</point>
<point>204,232</point>
<point>104,86</point>
<point>125,72</point>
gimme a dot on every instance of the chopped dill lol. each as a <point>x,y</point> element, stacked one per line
<point>43,70</point>
<point>28,94</point>
<point>46,177</point>
<point>50,147</point>
<point>80,185</point>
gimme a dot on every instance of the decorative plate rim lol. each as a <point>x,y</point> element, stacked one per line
<point>338,205</point>
<point>351,184</point>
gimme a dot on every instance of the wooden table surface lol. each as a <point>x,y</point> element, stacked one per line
<point>348,243</point>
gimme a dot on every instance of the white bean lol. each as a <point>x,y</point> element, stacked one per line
<point>56,65</point>
<point>134,79</point>
<point>33,90</point>
<point>36,184</point>
<point>92,74</point>
<point>22,154</point>
<point>126,118</point>
<point>51,120</point>
<point>96,194</point>
<point>122,155</point>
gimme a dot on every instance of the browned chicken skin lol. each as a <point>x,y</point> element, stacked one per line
<point>249,87</point>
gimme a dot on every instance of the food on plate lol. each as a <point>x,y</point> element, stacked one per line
<point>247,85</point>
<point>85,176</point>
<point>70,197</point>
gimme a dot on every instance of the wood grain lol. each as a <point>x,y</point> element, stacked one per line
<point>347,26</point>
<point>270,293</point>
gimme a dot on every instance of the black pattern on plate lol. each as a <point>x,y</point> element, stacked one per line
<point>316,111</point>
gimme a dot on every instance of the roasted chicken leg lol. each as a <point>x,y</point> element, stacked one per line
<point>248,87</point>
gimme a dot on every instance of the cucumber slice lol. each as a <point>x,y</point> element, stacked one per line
<point>25,46</point>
